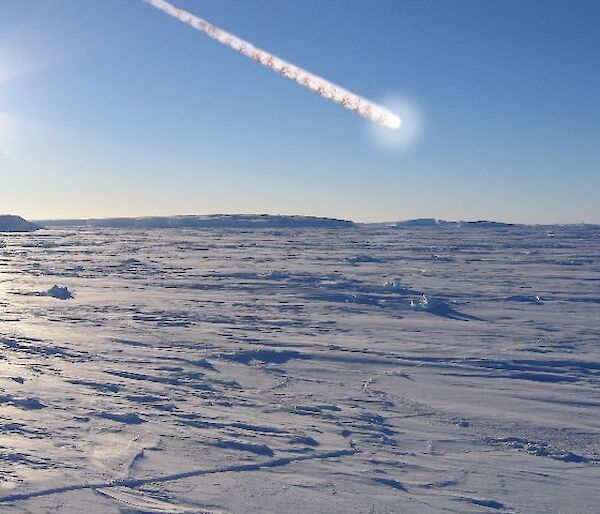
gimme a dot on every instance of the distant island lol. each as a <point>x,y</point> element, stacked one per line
<point>243,221</point>
<point>205,221</point>
<point>11,223</point>
<point>433,222</point>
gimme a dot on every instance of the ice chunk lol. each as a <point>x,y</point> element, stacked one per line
<point>59,292</point>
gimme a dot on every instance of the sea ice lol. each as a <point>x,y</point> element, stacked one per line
<point>263,369</point>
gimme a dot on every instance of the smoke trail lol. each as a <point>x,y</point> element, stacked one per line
<point>315,83</point>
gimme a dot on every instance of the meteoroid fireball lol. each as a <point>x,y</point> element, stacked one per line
<point>316,84</point>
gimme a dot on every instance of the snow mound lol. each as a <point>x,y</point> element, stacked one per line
<point>59,292</point>
<point>424,303</point>
<point>393,284</point>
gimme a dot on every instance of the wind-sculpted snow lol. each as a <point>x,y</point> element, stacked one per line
<point>402,369</point>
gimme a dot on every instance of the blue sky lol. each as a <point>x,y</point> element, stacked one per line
<point>113,108</point>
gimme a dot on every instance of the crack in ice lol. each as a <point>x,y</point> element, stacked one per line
<point>131,483</point>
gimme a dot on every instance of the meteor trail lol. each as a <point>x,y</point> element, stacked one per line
<point>316,84</point>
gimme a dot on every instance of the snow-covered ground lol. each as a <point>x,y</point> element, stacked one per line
<point>366,369</point>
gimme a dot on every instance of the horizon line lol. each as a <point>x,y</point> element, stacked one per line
<point>357,222</point>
